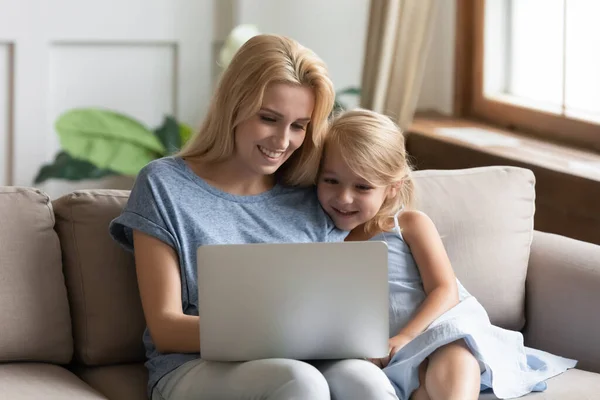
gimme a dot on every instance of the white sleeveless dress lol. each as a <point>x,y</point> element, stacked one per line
<point>508,367</point>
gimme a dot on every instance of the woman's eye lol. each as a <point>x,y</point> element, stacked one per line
<point>299,127</point>
<point>267,118</point>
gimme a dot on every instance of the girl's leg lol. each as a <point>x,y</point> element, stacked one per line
<point>273,379</point>
<point>453,373</point>
<point>356,379</point>
<point>421,392</point>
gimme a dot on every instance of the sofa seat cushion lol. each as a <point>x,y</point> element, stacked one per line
<point>108,321</point>
<point>485,218</point>
<point>34,310</point>
<point>117,382</point>
<point>24,381</point>
<point>575,384</point>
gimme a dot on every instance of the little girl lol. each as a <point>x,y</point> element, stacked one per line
<point>442,344</point>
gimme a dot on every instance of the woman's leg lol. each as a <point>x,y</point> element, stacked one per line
<point>273,379</point>
<point>356,379</point>
<point>453,373</point>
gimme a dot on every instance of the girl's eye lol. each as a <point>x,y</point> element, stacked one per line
<point>363,188</point>
<point>330,181</point>
<point>267,118</point>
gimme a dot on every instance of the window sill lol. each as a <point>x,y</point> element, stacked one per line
<point>567,180</point>
<point>506,144</point>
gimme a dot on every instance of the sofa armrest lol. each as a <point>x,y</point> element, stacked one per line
<point>563,299</point>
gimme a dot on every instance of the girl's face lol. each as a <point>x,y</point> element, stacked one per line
<point>347,198</point>
<point>266,140</point>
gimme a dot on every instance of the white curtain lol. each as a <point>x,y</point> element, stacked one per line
<point>398,42</point>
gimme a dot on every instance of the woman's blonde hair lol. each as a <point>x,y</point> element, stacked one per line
<point>261,61</point>
<point>373,147</point>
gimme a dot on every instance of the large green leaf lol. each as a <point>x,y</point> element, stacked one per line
<point>185,132</point>
<point>68,168</point>
<point>168,134</point>
<point>108,139</point>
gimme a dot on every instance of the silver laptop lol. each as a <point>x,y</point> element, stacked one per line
<point>305,301</point>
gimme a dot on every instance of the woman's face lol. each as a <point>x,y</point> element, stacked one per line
<point>266,140</point>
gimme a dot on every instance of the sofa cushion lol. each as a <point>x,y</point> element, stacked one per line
<point>108,320</point>
<point>574,384</point>
<point>29,381</point>
<point>485,218</point>
<point>117,382</point>
<point>34,311</point>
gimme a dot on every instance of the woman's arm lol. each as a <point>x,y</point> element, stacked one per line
<point>159,281</point>
<point>437,274</point>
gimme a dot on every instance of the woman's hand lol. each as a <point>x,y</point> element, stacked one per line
<point>395,343</point>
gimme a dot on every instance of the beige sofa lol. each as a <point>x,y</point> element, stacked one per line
<point>71,320</point>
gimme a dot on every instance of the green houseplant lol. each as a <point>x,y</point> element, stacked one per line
<point>98,142</point>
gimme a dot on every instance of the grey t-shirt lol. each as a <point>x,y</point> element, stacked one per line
<point>170,202</point>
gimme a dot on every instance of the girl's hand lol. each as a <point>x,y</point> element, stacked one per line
<point>396,343</point>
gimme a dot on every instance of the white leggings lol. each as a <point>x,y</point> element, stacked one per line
<point>275,379</point>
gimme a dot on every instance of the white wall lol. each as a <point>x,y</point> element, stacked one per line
<point>5,111</point>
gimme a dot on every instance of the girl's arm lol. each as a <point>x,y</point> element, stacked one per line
<point>437,274</point>
<point>159,282</point>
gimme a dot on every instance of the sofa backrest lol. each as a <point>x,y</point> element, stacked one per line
<point>108,320</point>
<point>484,215</point>
<point>34,312</point>
<point>485,218</point>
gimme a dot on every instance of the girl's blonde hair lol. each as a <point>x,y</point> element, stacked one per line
<point>373,147</point>
<point>261,61</point>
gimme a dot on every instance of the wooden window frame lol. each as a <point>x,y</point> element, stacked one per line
<point>470,102</point>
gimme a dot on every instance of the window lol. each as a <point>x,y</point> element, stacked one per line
<point>536,67</point>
